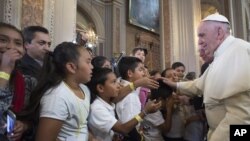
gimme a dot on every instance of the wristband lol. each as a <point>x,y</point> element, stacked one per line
<point>138,118</point>
<point>4,75</point>
<point>132,86</point>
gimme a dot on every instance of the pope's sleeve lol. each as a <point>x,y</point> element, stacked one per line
<point>192,88</point>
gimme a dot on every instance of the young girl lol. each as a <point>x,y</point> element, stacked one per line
<point>64,100</point>
<point>179,113</point>
<point>159,122</point>
<point>102,120</point>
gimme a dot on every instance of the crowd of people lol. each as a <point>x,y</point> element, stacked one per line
<point>70,95</point>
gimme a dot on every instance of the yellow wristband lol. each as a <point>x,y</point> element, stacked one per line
<point>4,75</point>
<point>138,118</point>
<point>132,86</point>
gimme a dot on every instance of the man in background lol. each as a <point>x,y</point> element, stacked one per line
<point>36,43</point>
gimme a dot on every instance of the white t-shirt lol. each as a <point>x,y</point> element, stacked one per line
<point>102,119</point>
<point>62,104</point>
<point>150,129</point>
<point>129,106</point>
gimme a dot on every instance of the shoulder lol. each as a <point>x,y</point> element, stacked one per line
<point>97,104</point>
<point>242,44</point>
<point>58,91</point>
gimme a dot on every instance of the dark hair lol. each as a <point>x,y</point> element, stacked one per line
<point>29,32</point>
<point>99,76</point>
<point>163,73</point>
<point>177,64</point>
<point>163,91</point>
<point>140,49</point>
<point>98,61</point>
<point>190,75</point>
<point>52,74</point>
<point>204,67</point>
<point>127,63</point>
<point>153,72</point>
<point>6,25</point>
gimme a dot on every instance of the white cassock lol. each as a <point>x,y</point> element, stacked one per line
<point>226,88</point>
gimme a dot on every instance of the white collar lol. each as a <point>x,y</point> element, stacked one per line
<point>107,105</point>
<point>223,46</point>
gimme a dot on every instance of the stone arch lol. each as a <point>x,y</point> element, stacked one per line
<point>88,7</point>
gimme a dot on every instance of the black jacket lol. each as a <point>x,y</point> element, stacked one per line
<point>28,66</point>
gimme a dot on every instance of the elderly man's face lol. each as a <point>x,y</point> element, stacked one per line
<point>206,57</point>
<point>208,41</point>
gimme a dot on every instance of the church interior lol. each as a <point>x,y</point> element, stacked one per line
<point>166,28</point>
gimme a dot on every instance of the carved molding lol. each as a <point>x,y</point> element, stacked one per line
<point>48,18</point>
<point>32,12</point>
<point>152,44</point>
<point>145,40</point>
<point>12,12</point>
<point>8,10</point>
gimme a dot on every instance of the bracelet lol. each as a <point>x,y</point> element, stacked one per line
<point>132,86</point>
<point>144,112</point>
<point>4,75</point>
<point>138,118</point>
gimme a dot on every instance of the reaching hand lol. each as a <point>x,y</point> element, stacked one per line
<point>147,82</point>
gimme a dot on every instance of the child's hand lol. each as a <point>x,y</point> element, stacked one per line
<point>152,106</point>
<point>147,82</point>
<point>9,59</point>
<point>19,129</point>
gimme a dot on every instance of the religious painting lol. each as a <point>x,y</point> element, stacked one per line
<point>145,14</point>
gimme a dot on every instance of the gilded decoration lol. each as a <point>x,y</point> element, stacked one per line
<point>32,12</point>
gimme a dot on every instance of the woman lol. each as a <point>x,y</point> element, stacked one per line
<point>14,86</point>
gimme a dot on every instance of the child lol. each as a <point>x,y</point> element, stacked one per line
<point>61,96</point>
<point>180,69</point>
<point>170,74</point>
<point>155,124</point>
<point>102,119</point>
<point>141,53</point>
<point>178,116</point>
<point>130,69</point>
<point>155,74</point>
<point>101,62</point>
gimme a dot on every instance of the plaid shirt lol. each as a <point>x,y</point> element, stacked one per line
<point>6,96</point>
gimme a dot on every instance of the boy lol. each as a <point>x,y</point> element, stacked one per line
<point>130,69</point>
<point>140,53</point>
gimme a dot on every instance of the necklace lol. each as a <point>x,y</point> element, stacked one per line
<point>81,95</point>
<point>77,99</point>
